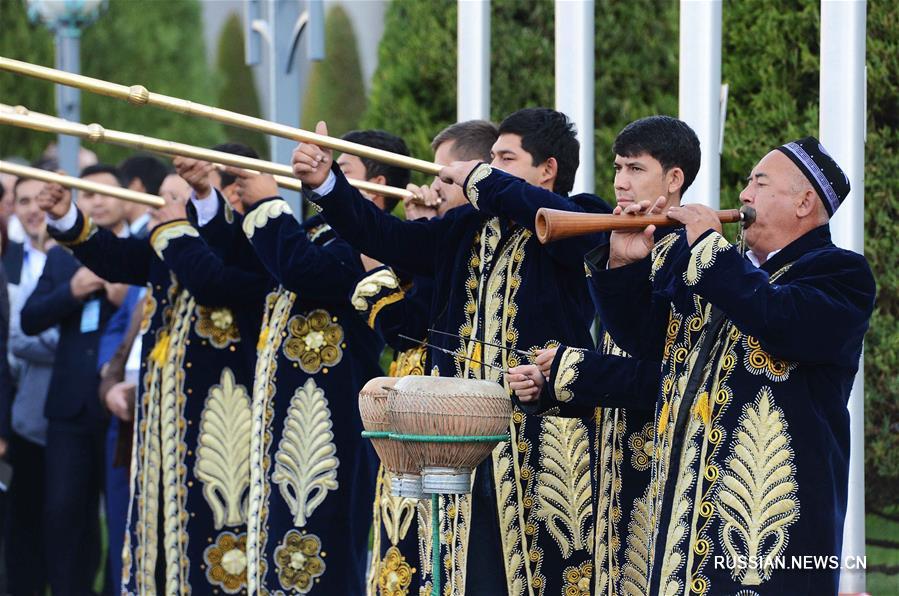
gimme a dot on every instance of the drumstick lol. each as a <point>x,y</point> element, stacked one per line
<point>451,353</point>
<point>486,343</point>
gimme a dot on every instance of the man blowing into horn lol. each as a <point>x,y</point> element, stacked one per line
<point>759,352</point>
<point>495,284</point>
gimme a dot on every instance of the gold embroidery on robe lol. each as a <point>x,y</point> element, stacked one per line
<point>262,214</point>
<point>223,451</point>
<point>314,341</point>
<point>218,326</point>
<point>306,462</point>
<point>226,562</point>
<point>702,256</point>
<point>299,561</point>
<point>278,305</point>
<point>567,373</point>
<point>471,187</point>
<point>757,497</point>
<point>165,233</point>
<point>563,484</point>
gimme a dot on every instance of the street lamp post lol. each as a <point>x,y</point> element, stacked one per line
<point>66,18</point>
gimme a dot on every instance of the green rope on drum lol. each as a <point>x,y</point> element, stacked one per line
<point>435,545</point>
<point>448,438</point>
<point>375,434</point>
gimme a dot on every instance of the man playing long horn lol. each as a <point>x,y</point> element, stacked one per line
<point>394,307</point>
<point>656,158</point>
<point>759,352</point>
<point>527,526</point>
<point>312,474</point>
<point>190,460</point>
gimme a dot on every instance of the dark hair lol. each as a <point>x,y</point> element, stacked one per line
<point>668,140</point>
<point>149,170</point>
<point>547,133</point>
<point>472,139</point>
<point>379,139</point>
<point>235,149</point>
<point>50,165</point>
<point>102,168</point>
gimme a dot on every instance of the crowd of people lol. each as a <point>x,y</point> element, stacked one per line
<point>193,369</point>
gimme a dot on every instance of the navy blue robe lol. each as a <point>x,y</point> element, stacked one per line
<point>189,468</point>
<point>751,454</point>
<point>528,524</point>
<point>312,474</point>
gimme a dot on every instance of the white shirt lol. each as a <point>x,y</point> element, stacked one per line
<point>207,207</point>
<point>753,258</point>
<point>327,186</point>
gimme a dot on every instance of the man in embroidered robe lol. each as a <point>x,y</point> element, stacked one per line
<point>759,353</point>
<point>391,308</point>
<point>656,158</point>
<point>313,475</point>
<point>190,461</point>
<point>527,526</point>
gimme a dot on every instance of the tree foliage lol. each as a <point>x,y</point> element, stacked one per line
<point>335,92</point>
<point>156,44</point>
<point>237,91</point>
<point>770,62</point>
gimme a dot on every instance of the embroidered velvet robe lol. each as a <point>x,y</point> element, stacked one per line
<point>190,460</point>
<point>527,527</point>
<point>751,453</point>
<point>312,474</point>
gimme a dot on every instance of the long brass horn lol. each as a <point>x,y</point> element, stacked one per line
<point>553,224</point>
<point>21,116</point>
<point>139,95</point>
<point>86,185</point>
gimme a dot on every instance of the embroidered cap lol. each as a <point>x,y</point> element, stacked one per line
<point>816,164</point>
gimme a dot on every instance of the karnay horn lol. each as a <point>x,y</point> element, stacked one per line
<point>95,133</point>
<point>86,185</point>
<point>139,95</point>
<point>553,224</point>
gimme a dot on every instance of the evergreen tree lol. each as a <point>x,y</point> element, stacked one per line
<point>238,89</point>
<point>155,44</point>
<point>334,91</point>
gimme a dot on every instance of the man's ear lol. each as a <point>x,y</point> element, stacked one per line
<point>549,172</point>
<point>379,179</point>
<point>807,204</point>
<point>675,179</point>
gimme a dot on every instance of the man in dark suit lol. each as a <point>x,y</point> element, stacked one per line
<point>79,302</point>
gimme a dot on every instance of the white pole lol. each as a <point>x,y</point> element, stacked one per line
<point>699,92</point>
<point>842,131</point>
<point>473,60</point>
<point>575,79</point>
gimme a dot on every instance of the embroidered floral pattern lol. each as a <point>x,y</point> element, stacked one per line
<point>760,362</point>
<point>314,341</point>
<point>299,561</point>
<point>260,216</point>
<point>226,562</point>
<point>567,373</point>
<point>577,580</point>
<point>396,574</point>
<point>702,256</point>
<point>641,444</point>
<point>149,309</point>
<point>218,326</point>
<point>480,172</point>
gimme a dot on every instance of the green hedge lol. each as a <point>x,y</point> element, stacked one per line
<point>770,60</point>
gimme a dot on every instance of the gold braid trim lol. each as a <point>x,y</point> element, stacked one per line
<point>165,233</point>
<point>480,172</point>
<point>381,303</point>
<point>87,230</point>
<point>261,215</point>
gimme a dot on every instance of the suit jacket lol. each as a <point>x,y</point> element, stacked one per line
<point>6,384</point>
<point>113,371</point>
<point>72,394</point>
